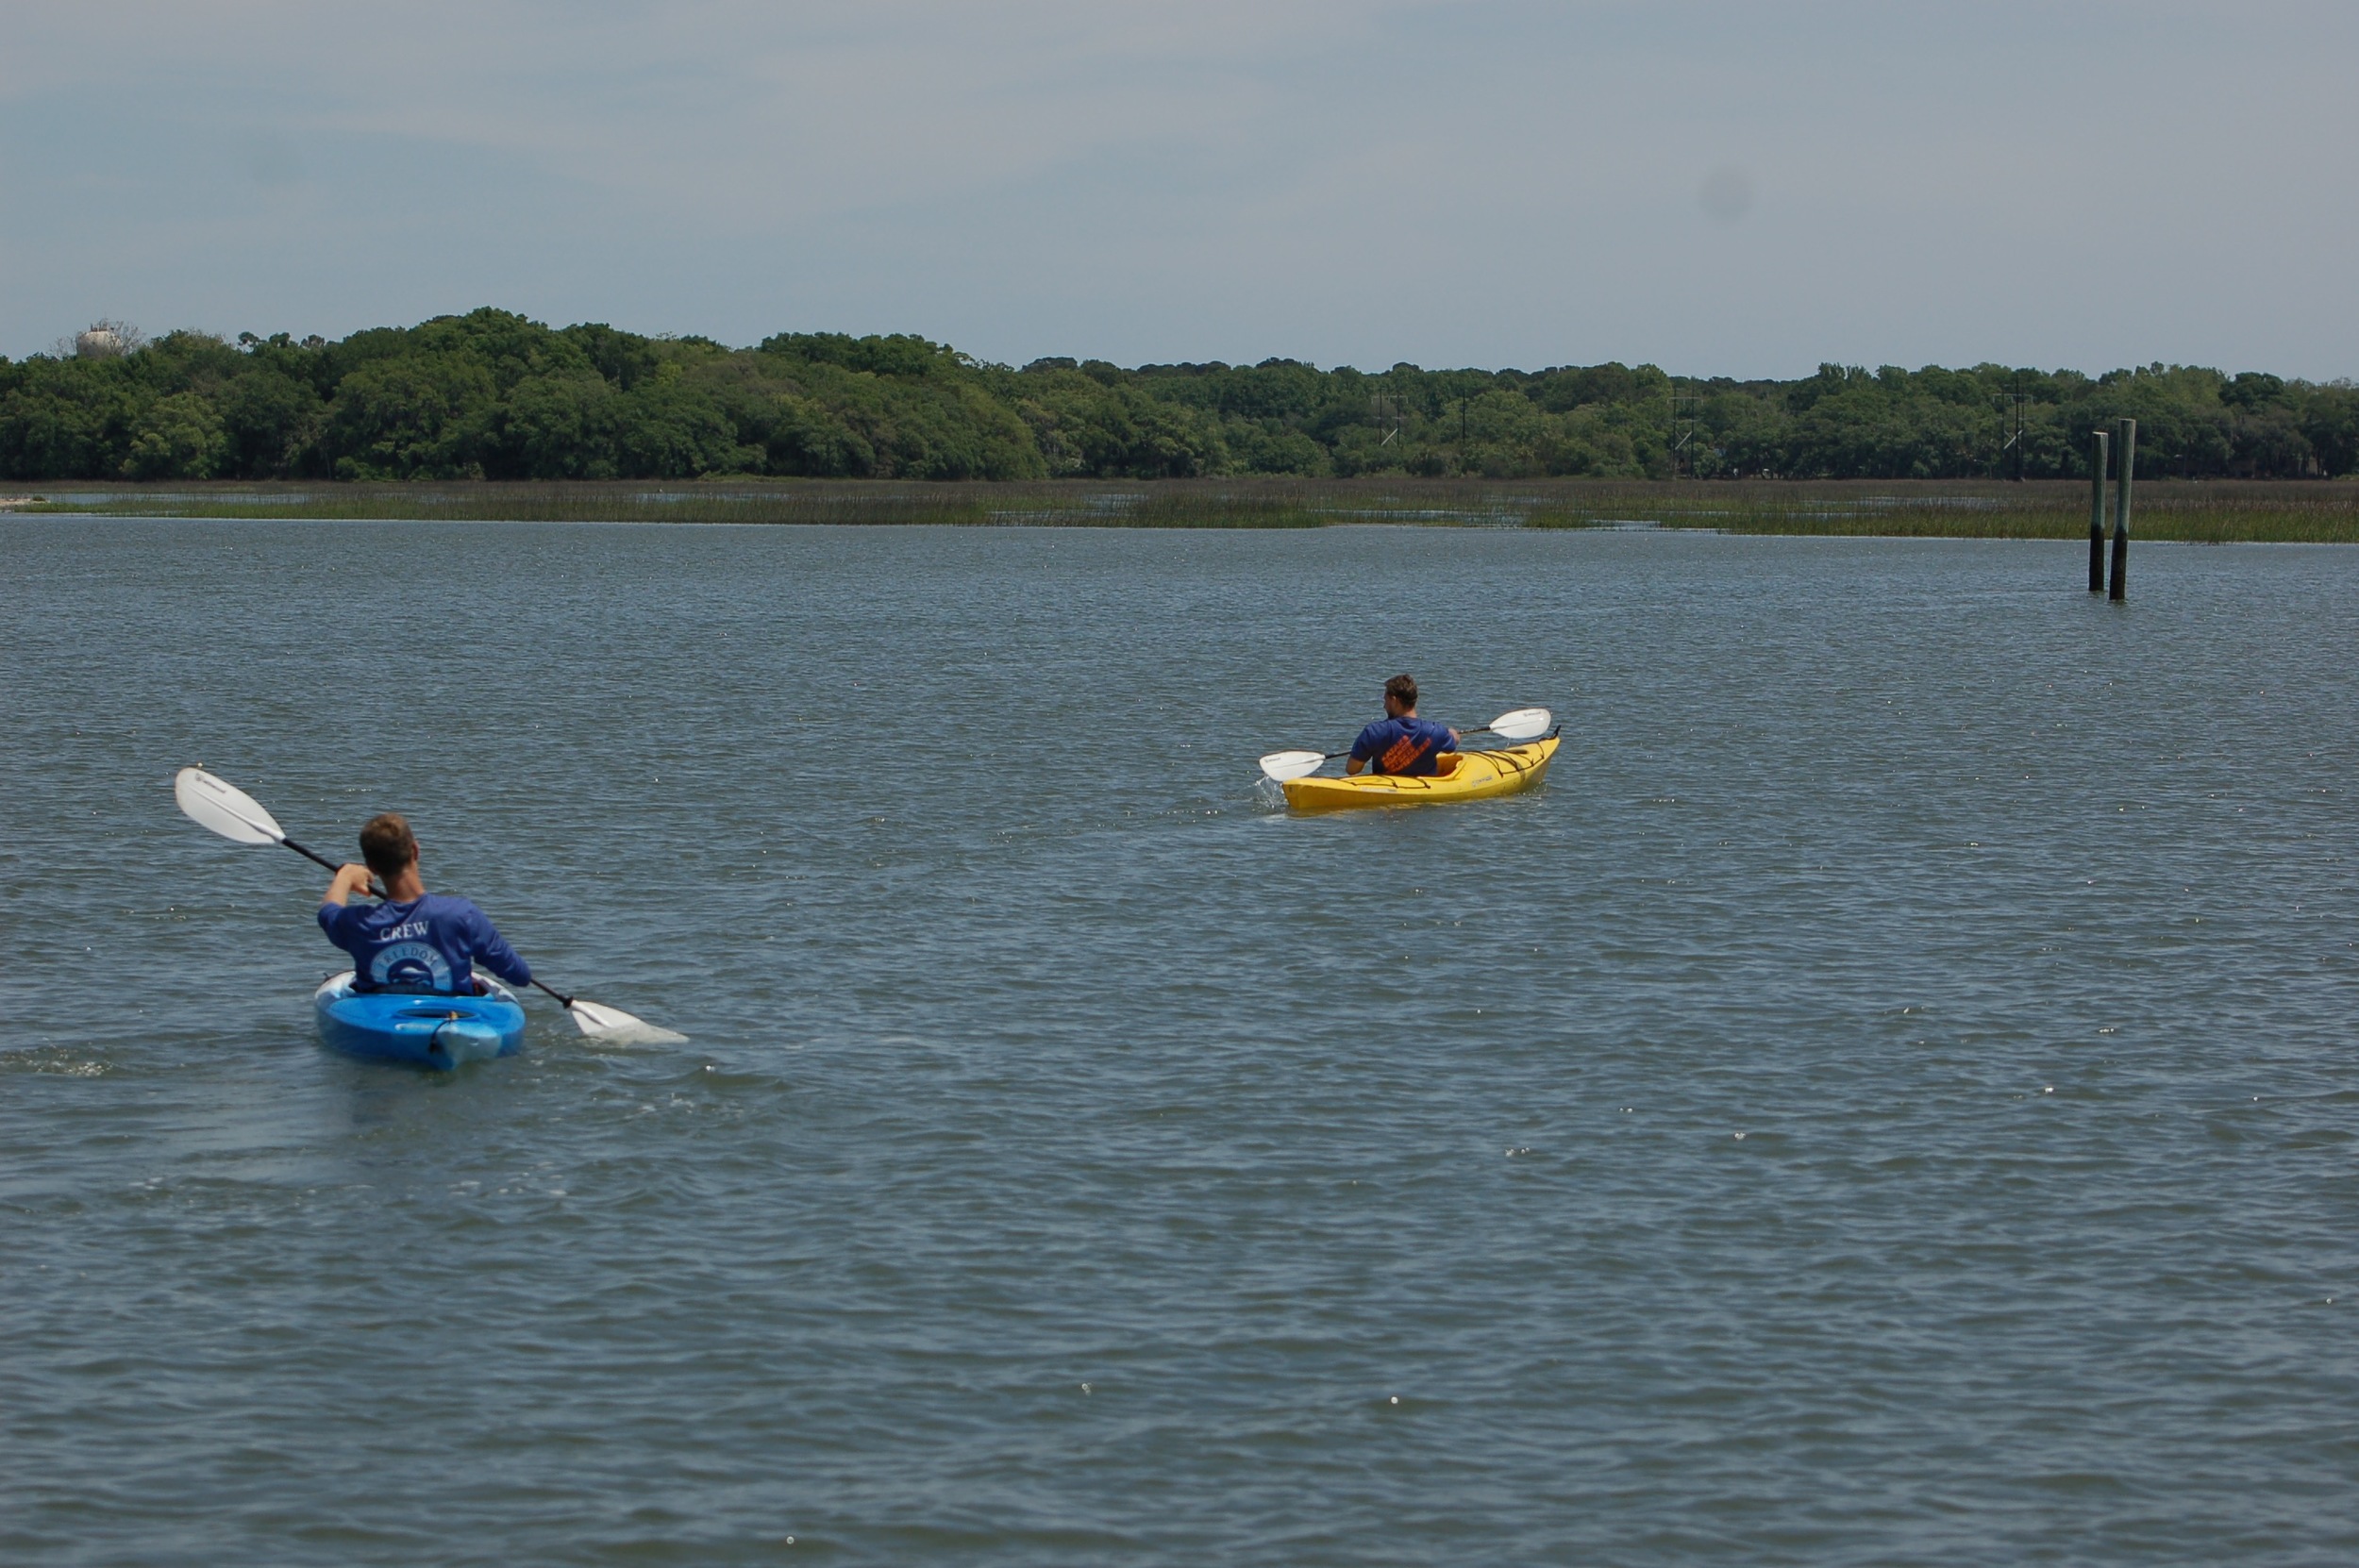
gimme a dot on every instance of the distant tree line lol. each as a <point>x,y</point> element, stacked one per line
<point>493,396</point>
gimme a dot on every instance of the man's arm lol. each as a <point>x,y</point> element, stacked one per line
<point>492,952</point>
<point>350,879</point>
<point>1353,764</point>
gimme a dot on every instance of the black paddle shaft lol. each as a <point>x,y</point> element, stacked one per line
<point>377,891</point>
<point>316,857</point>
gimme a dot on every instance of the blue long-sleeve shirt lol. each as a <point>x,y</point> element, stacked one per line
<point>431,943</point>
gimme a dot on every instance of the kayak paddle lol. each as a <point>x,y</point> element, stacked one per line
<point>1522,725</point>
<point>240,818</point>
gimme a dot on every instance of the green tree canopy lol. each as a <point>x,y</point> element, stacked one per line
<point>495,394</point>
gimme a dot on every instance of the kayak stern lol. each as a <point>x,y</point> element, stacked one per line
<point>438,1033</point>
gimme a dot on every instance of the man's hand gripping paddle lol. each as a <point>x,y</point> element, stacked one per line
<point>238,817</point>
<point>1525,723</point>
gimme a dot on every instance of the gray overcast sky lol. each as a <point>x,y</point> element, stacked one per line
<point>1745,187</point>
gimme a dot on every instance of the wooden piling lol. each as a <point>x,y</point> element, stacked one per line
<point>2125,465</point>
<point>2096,512</point>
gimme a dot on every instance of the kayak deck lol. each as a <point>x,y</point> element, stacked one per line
<point>423,1031</point>
<point>1480,776</point>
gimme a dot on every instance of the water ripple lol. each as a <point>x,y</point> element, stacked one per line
<point>1887,1099</point>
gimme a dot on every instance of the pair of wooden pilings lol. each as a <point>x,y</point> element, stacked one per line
<point>2128,455</point>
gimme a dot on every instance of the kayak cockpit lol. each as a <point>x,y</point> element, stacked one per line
<point>1474,775</point>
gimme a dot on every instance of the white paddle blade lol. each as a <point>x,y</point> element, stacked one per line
<point>613,1026</point>
<point>226,809</point>
<point>1523,725</point>
<point>1283,765</point>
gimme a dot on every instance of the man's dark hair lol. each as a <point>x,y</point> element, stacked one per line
<point>386,843</point>
<point>1402,690</point>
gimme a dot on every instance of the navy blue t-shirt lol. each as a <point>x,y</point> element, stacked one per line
<point>1402,745</point>
<point>430,943</point>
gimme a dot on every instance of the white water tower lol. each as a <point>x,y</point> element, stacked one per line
<point>104,340</point>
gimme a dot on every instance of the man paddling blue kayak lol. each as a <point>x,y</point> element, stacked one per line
<point>1400,743</point>
<point>416,941</point>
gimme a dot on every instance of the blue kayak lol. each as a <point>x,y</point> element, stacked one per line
<point>441,1032</point>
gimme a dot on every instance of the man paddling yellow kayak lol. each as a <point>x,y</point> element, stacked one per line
<point>1416,760</point>
<point>1401,743</point>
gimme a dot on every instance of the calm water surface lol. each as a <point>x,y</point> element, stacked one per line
<point>1889,1098</point>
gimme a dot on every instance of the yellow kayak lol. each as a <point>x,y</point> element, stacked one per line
<point>1479,775</point>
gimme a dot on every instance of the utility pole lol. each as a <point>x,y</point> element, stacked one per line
<point>1683,426</point>
<point>2014,403</point>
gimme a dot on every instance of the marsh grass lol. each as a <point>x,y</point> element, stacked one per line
<point>2210,511</point>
